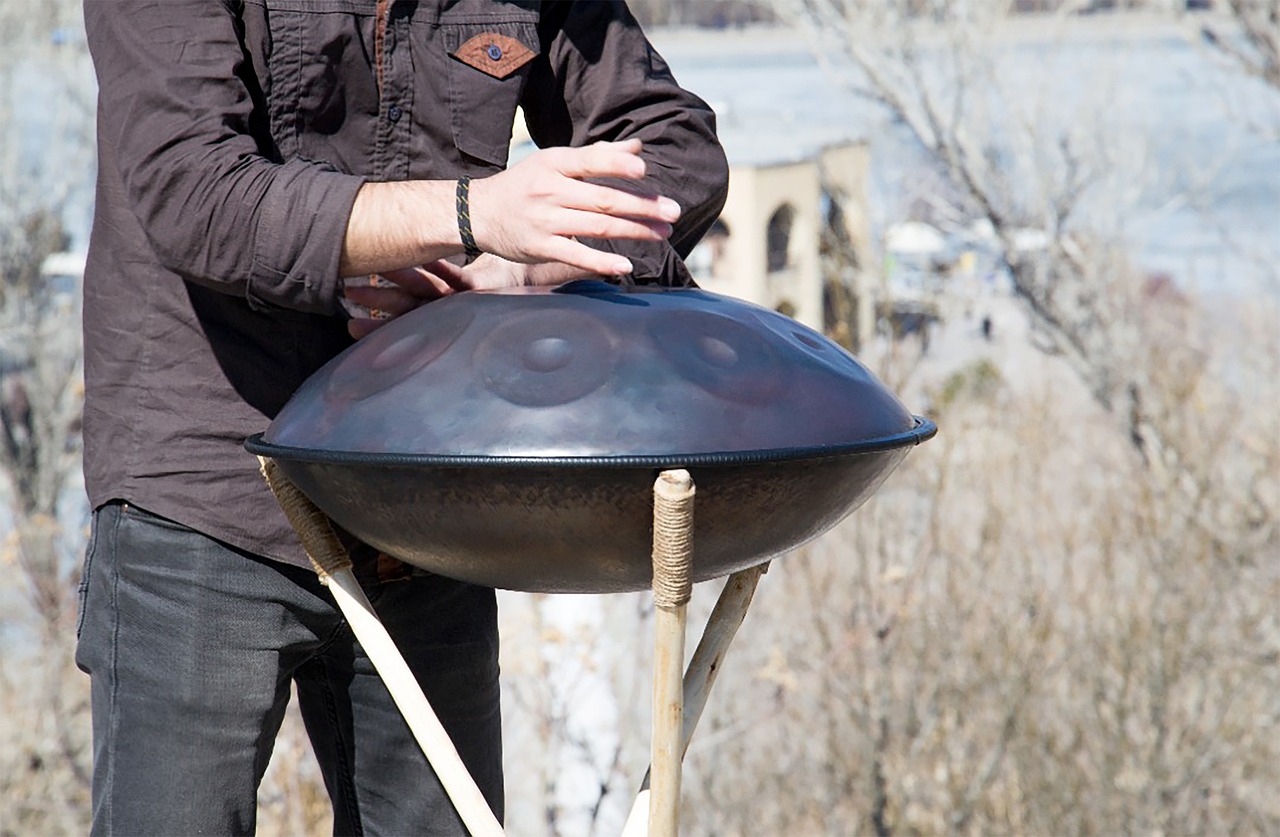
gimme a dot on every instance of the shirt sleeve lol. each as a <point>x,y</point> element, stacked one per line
<point>599,78</point>
<point>177,103</point>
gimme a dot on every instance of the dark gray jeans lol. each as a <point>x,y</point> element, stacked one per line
<point>191,646</point>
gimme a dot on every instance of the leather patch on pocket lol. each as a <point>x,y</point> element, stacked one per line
<point>494,54</point>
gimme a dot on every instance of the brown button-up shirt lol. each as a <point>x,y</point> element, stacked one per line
<point>232,138</point>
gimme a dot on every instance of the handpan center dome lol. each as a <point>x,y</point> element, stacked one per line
<point>590,370</point>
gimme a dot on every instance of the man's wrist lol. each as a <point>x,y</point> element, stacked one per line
<point>394,225</point>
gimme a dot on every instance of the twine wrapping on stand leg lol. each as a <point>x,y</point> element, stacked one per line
<point>328,555</point>
<point>673,495</point>
<point>333,564</point>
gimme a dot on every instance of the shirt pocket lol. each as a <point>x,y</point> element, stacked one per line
<point>488,65</point>
<point>320,85</point>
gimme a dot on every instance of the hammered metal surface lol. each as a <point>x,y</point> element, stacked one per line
<point>589,369</point>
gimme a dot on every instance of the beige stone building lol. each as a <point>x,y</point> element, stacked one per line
<point>787,224</point>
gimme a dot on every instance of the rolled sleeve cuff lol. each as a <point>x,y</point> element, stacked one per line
<point>298,240</point>
<point>651,264</point>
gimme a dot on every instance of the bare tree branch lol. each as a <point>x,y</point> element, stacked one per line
<point>1251,38</point>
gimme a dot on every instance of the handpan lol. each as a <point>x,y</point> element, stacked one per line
<point>511,438</point>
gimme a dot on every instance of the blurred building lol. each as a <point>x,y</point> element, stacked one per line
<point>792,224</point>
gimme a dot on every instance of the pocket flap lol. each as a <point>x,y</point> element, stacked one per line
<point>494,54</point>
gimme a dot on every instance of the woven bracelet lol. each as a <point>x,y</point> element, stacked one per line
<point>463,196</point>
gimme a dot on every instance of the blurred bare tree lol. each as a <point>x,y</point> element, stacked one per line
<point>1249,37</point>
<point>1060,617</point>
<point>46,166</point>
<point>1017,636</point>
<point>1024,167</point>
<point>1018,164</point>
<point>1245,38</point>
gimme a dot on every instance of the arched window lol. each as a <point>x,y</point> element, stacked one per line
<point>835,242</point>
<point>707,261</point>
<point>778,238</point>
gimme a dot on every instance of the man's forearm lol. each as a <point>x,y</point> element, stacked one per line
<point>399,225</point>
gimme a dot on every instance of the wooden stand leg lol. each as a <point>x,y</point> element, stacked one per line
<point>722,626</point>
<point>334,568</point>
<point>678,702</point>
<point>672,555</point>
<point>431,735</point>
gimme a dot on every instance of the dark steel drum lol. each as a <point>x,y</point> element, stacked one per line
<point>512,438</point>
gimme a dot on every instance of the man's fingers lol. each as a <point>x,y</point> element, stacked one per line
<point>453,276</point>
<point>530,212</point>
<point>575,222</point>
<point>418,281</point>
<point>393,301</point>
<point>597,262</point>
<point>601,159</point>
<point>608,200</point>
<point>363,327</point>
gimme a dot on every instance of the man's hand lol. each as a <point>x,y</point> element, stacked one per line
<point>526,219</point>
<point>532,212</point>
<point>490,272</point>
<point>416,286</point>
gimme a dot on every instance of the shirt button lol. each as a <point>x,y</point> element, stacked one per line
<point>495,52</point>
<point>394,113</point>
